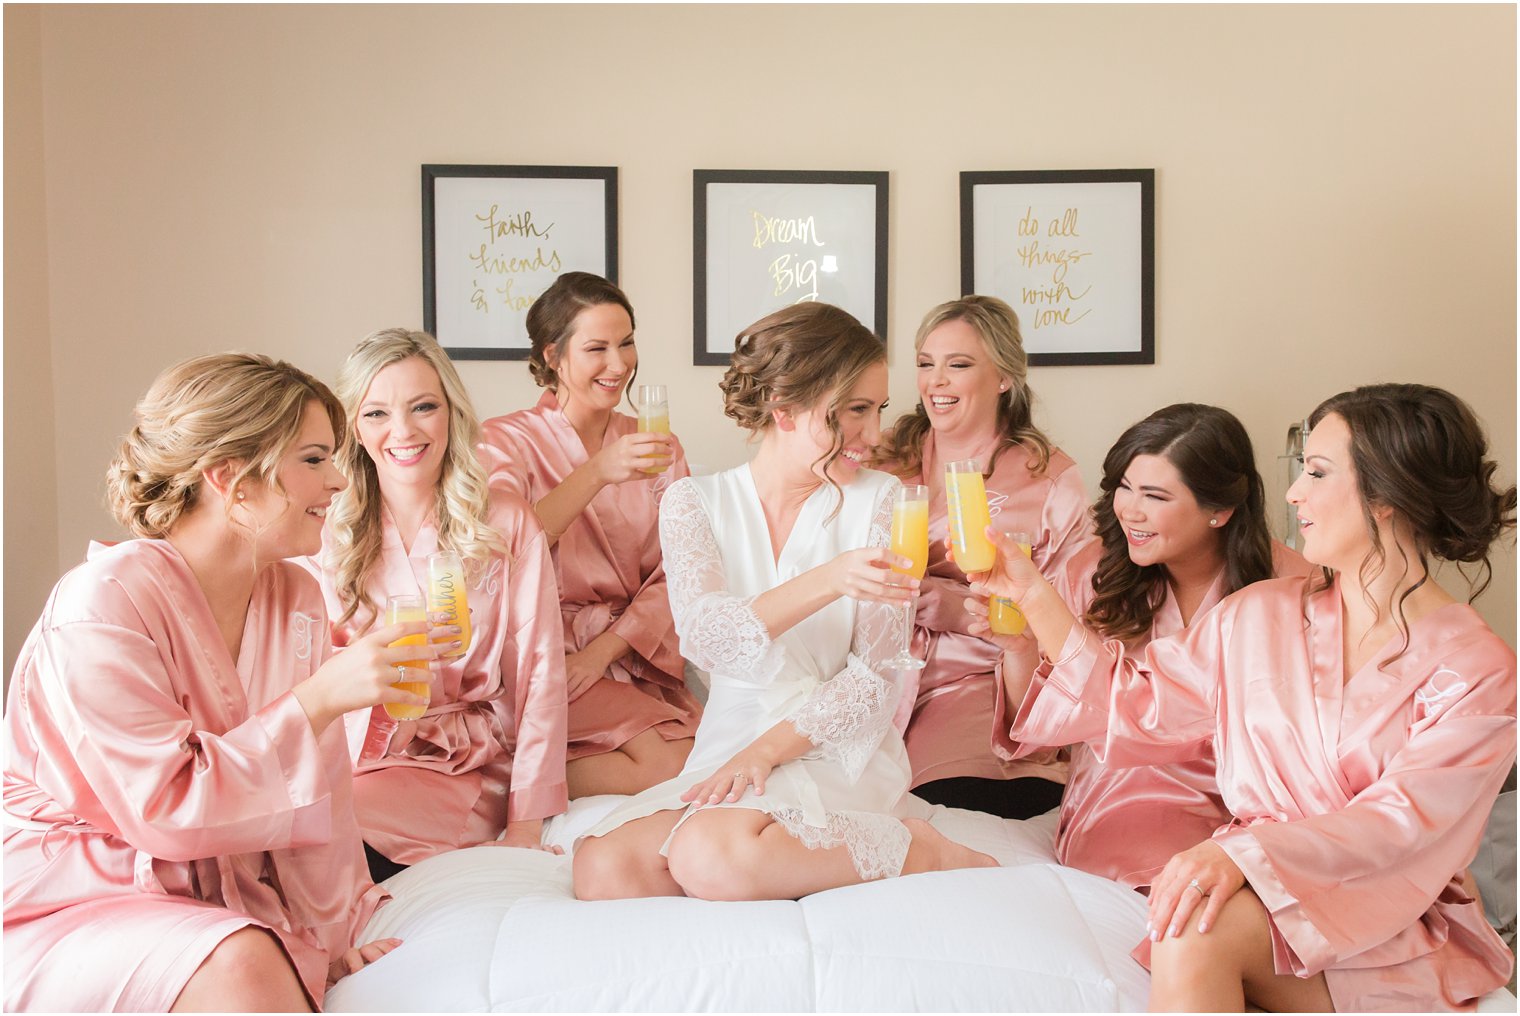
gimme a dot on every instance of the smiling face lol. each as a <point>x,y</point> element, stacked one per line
<point>1329,500</point>
<point>859,420</point>
<point>959,384</point>
<point>403,424</point>
<point>596,361</point>
<point>1162,520</point>
<point>290,524</point>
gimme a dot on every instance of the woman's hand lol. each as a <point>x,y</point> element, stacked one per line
<point>1013,575</point>
<point>750,768</point>
<point>634,457</point>
<point>582,669</point>
<point>1199,876</point>
<point>981,627</point>
<point>359,957</point>
<point>526,834</point>
<point>867,574</point>
<point>365,674</point>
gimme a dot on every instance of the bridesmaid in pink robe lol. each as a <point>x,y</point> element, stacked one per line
<point>586,471</point>
<point>486,763</point>
<point>974,403</point>
<point>179,834</point>
<point>1363,720</point>
<point>1182,524</point>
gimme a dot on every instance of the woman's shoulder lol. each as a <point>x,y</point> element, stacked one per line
<point>510,514</point>
<point>1287,562</point>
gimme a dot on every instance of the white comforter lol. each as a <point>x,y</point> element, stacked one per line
<point>499,930</point>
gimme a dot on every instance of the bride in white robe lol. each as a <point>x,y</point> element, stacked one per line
<point>780,588</point>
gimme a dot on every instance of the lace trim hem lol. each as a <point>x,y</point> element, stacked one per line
<point>878,844</point>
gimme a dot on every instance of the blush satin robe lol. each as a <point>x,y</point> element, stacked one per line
<point>958,690</point>
<point>609,573</point>
<point>160,795</point>
<point>491,747</point>
<point>1358,800</point>
<point>1125,824</point>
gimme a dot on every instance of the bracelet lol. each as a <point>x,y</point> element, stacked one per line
<point>1076,651</point>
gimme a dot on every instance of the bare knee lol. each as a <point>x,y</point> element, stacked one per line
<point>1227,947</point>
<point>712,861</point>
<point>603,871</point>
<point>670,760</point>
<point>248,971</point>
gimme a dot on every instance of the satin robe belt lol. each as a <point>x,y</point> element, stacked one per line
<point>452,737</point>
<point>585,621</point>
<point>71,826</point>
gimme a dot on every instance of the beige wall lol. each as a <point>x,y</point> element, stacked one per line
<point>1335,191</point>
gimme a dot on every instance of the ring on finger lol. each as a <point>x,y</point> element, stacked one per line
<point>1194,885</point>
<point>741,777</point>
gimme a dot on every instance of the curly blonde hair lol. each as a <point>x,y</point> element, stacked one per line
<point>463,497</point>
<point>998,326</point>
<point>202,413</point>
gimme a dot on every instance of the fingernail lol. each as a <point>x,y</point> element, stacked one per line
<point>1174,931</point>
<point>1148,928</point>
<point>1202,927</point>
<point>1155,936</point>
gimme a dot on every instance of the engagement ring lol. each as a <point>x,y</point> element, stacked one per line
<point>1194,885</point>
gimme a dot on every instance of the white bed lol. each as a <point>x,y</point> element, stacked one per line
<point>497,930</point>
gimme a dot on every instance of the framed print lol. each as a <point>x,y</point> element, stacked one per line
<point>495,237</point>
<point>1073,252</point>
<point>766,239</point>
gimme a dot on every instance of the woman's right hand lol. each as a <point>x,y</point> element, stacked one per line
<point>867,574</point>
<point>1013,575</point>
<point>981,627</point>
<point>365,674</point>
<point>634,457</point>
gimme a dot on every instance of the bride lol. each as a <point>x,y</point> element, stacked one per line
<point>781,587</point>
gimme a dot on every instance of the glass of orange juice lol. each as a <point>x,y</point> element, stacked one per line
<point>654,414</point>
<point>399,610</point>
<point>447,595</point>
<point>910,538</point>
<point>966,504</point>
<point>1003,615</point>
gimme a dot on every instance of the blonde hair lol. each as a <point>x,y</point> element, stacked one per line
<point>202,413</point>
<point>998,327</point>
<point>463,495</point>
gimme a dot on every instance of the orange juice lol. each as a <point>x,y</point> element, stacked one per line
<point>1003,614</point>
<point>399,610</point>
<point>654,415</point>
<point>447,594</point>
<point>966,501</point>
<point>910,535</point>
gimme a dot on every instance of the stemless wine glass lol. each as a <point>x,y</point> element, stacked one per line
<point>966,504</point>
<point>654,414</point>
<point>400,609</point>
<point>1003,615</point>
<point>910,539</point>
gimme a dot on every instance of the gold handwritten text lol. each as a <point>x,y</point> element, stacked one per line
<point>771,229</point>
<point>484,261</point>
<point>512,224</point>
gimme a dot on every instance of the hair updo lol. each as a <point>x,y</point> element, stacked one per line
<point>1420,451</point>
<point>199,414</point>
<point>551,318</point>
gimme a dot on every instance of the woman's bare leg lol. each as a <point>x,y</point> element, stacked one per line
<point>247,972</point>
<point>642,762</point>
<point>1229,965</point>
<point>626,863</point>
<point>740,854</point>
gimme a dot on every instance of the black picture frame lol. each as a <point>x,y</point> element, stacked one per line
<point>584,197</point>
<point>1129,320</point>
<point>856,211</point>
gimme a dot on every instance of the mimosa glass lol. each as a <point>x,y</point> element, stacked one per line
<point>654,414</point>
<point>447,595</point>
<point>1003,614</point>
<point>910,539</point>
<point>399,610</point>
<point>966,504</point>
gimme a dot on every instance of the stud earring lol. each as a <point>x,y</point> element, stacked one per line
<point>1213,522</point>
<point>1003,387</point>
<point>241,495</point>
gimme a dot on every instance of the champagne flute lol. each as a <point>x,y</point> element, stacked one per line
<point>654,415</point>
<point>910,539</point>
<point>1003,615</point>
<point>399,610</point>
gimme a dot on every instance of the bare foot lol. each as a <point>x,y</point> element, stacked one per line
<point>932,850</point>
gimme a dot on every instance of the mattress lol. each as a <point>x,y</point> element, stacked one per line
<point>494,929</point>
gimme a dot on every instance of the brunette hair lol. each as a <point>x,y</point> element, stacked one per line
<point>1212,453</point>
<point>796,358</point>
<point>1421,452</point>
<point>199,414</point>
<point>551,318</point>
<point>998,326</point>
<point>462,496</point>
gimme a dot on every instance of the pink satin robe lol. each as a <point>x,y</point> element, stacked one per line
<point>1125,824</point>
<point>1357,803</point>
<point>160,795</point>
<point>959,688</point>
<point>491,747</point>
<point>609,573</point>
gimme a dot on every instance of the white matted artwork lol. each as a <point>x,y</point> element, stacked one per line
<point>1073,252</point>
<point>764,240</point>
<point>495,237</point>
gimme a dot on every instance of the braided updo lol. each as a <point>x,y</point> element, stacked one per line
<point>793,359</point>
<point>199,414</point>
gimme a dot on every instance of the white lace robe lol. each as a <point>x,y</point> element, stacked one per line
<point>824,674</point>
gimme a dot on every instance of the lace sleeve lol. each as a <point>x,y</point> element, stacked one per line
<point>849,714</point>
<point>719,632</point>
